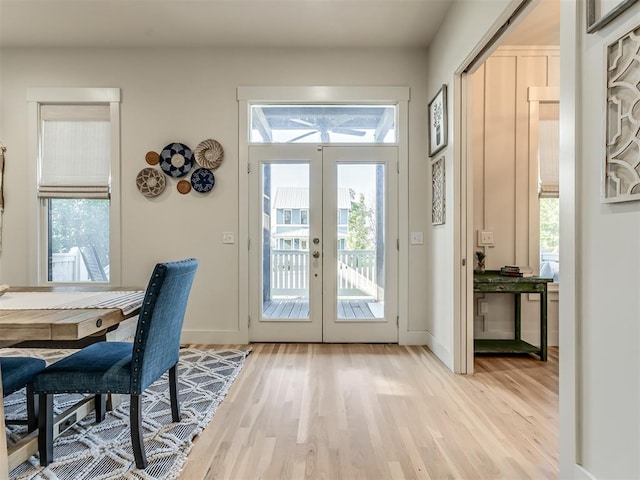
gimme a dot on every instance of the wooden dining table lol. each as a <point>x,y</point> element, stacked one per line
<point>52,324</point>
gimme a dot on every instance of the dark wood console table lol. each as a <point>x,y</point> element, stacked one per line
<point>492,282</point>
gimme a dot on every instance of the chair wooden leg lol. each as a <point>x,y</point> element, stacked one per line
<point>45,428</point>
<point>173,393</point>
<point>101,407</point>
<point>137,440</point>
<point>32,410</point>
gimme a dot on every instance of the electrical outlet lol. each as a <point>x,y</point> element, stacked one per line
<point>227,237</point>
<point>483,307</point>
<point>485,237</point>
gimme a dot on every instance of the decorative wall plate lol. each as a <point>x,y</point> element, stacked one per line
<point>152,158</point>
<point>176,159</point>
<point>209,153</point>
<point>151,182</point>
<point>202,180</point>
<point>184,186</point>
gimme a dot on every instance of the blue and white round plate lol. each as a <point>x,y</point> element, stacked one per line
<point>176,159</point>
<point>202,180</point>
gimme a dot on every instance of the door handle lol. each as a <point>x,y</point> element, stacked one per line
<point>316,254</point>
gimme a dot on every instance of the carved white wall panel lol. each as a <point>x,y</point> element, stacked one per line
<point>438,192</point>
<point>622,168</point>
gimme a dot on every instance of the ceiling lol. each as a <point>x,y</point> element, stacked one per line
<point>225,23</point>
<point>539,26</point>
<point>247,23</point>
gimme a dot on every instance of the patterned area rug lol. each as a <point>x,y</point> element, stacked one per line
<point>103,451</point>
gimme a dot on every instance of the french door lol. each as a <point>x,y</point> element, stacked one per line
<point>323,263</point>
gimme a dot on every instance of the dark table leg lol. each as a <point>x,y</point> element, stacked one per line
<point>543,324</point>
<point>518,326</point>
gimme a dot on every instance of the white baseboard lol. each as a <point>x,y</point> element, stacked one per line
<point>582,474</point>
<point>494,335</point>
<point>440,351</point>
<point>413,338</point>
<point>217,337</point>
<point>552,336</point>
<point>214,337</point>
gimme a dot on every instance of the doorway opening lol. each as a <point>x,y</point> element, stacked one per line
<point>510,176</point>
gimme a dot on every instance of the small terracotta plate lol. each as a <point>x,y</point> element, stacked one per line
<point>184,186</point>
<point>152,158</point>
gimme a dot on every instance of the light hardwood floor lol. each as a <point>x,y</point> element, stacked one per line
<point>373,412</point>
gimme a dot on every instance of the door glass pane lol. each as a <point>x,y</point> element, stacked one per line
<point>323,124</point>
<point>360,241</point>
<point>285,237</point>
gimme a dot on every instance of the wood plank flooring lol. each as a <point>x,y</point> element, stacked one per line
<point>314,411</point>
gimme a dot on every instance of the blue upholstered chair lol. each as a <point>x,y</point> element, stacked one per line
<point>17,372</point>
<point>121,367</point>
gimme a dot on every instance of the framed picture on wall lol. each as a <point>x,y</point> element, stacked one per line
<point>602,12</point>
<point>437,192</point>
<point>438,121</point>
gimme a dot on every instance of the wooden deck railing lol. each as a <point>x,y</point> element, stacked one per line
<point>356,272</point>
<point>70,267</point>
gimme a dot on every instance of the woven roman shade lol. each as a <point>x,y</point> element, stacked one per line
<point>75,151</point>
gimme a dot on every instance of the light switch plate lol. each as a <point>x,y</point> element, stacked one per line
<point>417,238</point>
<point>227,237</point>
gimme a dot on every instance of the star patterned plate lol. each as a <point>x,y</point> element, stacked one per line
<point>202,180</point>
<point>176,159</point>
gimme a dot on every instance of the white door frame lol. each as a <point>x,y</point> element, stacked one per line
<point>463,234</point>
<point>463,186</point>
<point>323,94</point>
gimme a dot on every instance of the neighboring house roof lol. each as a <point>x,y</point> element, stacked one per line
<point>298,197</point>
<point>291,197</point>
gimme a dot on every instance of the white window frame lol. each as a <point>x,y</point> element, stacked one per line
<point>311,134</point>
<point>284,216</point>
<point>536,96</point>
<point>37,207</point>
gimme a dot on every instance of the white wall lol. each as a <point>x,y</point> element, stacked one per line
<point>608,282</point>
<point>467,22</point>
<point>188,95</point>
<point>600,331</point>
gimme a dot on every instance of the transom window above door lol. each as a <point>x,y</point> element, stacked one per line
<point>323,124</point>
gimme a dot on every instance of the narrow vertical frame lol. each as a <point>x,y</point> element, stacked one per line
<point>438,197</point>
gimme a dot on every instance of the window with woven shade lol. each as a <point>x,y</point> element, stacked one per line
<point>76,145</point>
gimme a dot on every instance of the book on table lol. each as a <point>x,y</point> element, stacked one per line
<point>516,271</point>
